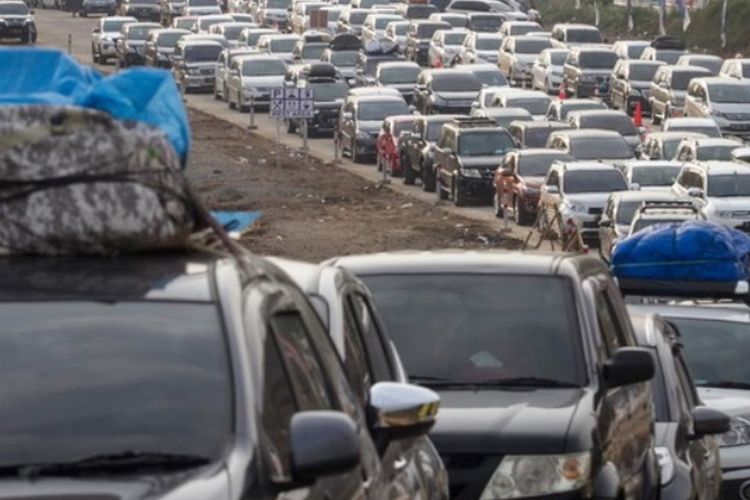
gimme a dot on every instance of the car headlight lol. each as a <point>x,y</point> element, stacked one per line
<point>574,206</point>
<point>471,172</point>
<point>193,71</point>
<point>535,475</point>
<point>738,433</point>
<point>666,464</point>
<point>363,135</point>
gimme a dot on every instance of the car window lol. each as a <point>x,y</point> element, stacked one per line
<point>372,338</point>
<point>355,358</point>
<point>609,328</point>
<point>301,362</point>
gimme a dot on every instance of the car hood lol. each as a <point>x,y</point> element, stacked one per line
<point>532,181</point>
<point>368,126</point>
<point>480,161</point>
<point>738,203</point>
<point>591,200</point>
<point>597,72</point>
<point>730,401</point>
<point>182,486</point>
<point>276,13</point>
<point>527,59</point>
<point>731,107</point>
<point>263,81</point>
<point>15,18</point>
<point>505,422</point>
<point>456,96</point>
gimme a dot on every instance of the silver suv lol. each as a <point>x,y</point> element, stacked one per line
<point>725,100</point>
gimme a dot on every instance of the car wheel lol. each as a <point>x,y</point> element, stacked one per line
<point>94,57</point>
<point>428,179</point>
<point>654,115</point>
<point>409,176</point>
<point>230,102</point>
<point>439,191</point>
<point>353,151</point>
<point>520,214</point>
<point>497,207</point>
<point>459,196</point>
<point>216,94</point>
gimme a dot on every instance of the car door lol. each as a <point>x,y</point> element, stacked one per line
<point>607,227</point>
<point>504,57</point>
<point>658,91</point>
<point>234,80</point>
<point>221,70</point>
<point>347,123</point>
<point>444,157</point>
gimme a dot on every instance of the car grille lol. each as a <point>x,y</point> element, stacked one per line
<point>738,116</point>
<point>207,71</point>
<point>741,214</point>
<point>590,224</point>
<point>488,173</point>
<point>469,473</point>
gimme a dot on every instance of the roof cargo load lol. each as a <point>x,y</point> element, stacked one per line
<point>77,181</point>
<point>345,41</point>
<point>668,43</point>
<point>690,259</point>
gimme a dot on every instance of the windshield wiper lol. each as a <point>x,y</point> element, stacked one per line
<point>725,384</point>
<point>428,379</point>
<point>525,382</point>
<point>122,461</point>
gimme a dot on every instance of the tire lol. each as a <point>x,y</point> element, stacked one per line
<point>94,57</point>
<point>230,103</point>
<point>497,207</point>
<point>353,151</point>
<point>428,179</point>
<point>409,175</point>
<point>441,194</point>
<point>520,214</point>
<point>459,197</point>
<point>217,97</point>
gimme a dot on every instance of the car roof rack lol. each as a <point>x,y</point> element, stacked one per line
<point>666,290</point>
<point>473,122</point>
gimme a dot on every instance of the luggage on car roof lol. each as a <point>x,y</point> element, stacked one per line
<point>78,181</point>
<point>345,41</point>
<point>668,43</point>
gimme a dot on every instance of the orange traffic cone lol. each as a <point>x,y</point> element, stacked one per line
<point>638,115</point>
<point>562,95</point>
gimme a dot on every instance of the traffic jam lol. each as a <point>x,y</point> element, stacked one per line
<point>148,354</point>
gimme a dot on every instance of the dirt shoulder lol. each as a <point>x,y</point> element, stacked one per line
<point>314,211</point>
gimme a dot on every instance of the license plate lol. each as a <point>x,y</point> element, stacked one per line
<point>739,127</point>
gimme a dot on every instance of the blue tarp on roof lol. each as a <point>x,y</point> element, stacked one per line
<point>49,76</point>
<point>690,251</point>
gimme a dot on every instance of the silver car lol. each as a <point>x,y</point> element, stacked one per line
<point>726,101</point>
<point>104,37</point>
<point>251,79</point>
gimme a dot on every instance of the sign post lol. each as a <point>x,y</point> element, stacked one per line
<point>293,103</point>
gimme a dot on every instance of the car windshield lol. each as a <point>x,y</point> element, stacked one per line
<point>635,51</point>
<point>333,15</point>
<point>534,105</point>
<point>488,43</point>
<point>706,153</point>
<point>452,38</point>
<point>169,39</point>
<point>739,93</point>
<point>567,107</point>
<point>313,51</point>
<point>707,131</point>
<point>531,45</point>
<point>278,4</point>
<point>402,74</point>
<point>537,165</point>
<point>455,82</point>
<point>140,32</point>
<point>669,148</point>
<point>400,126</point>
<point>669,56</point>
<point>447,327</point>
<point>491,77</point>
<point>283,45</point>
<point>616,123</point>
<point>233,32</point>
<point>400,29</point>
<point>112,26</point>
<point>86,379</point>
<point>522,29</point>
<point>329,91</point>
<point>184,24</point>
<point>485,23</point>
<point>642,72</point>
<point>382,22</point>
<point>715,350</point>
<point>711,64</point>
<point>493,142</point>
<point>584,36</point>
<point>429,29</point>
<point>536,137</point>
<point>263,67</point>
<point>344,58</point>
<point>664,175</point>
<point>597,60</point>
<point>726,185</point>
<point>594,181</point>
<point>205,24</point>
<point>202,3</point>
<point>420,11</point>
<point>357,18</point>
<point>557,58</point>
<point>600,147</point>
<point>13,9</point>
<point>626,211</point>
<point>433,130</point>
<point>380,110</point>
<point>681,79</point>
<point>202,53</point>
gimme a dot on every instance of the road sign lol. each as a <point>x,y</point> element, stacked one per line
<point>292,102</point>
<point>277,94</point>
<point>277,108</point>
<point>307,109</point>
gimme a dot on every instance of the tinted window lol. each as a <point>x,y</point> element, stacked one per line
<point>202,3</point>
<point>283,45</point>
<point>534,105</point>
<point>537,165</point>
<point>729,93</point>
<point>263,67</point>
<point>404,74</point>
<point>330,91</point>
<point>609,330</point>
<point>13,9</point>
<point>447,326</point>
<point>584,36</point>
<point>616,123</point>
<point>537,137</point>
<point>379,110</point>
<point>491,77</point>
<point>680,79</point>
<point>642,72</point>
<point>233,32</point>
<point>600,147</point>
<point>706,153</point>
<point>344,58</point>
<point>644,223</point>
<point>594,181</point>
<point>531,45</point>
<point>659,393</point>
<point>456,82</point>
<point>372,337</point>
<point>110,26</point>
<point>169,39</point>
<point>140,32</point>
<point>597,60</point>
<point>488,43</point>
<point>313,51</point>
<point>729,185</point>
<point>496,142</point>
<point>275,4</point>
<point>454,38</point>
<point>202,53</point>
<point>557,58</point>
<point>84,379</point>
<point>635,51</point>
<point>626,210</point>
<point>715,351</point>
<point>420,11</point>
<point>567,108</point>
<point>427,30</point>
<point>485,23</point>
<point>668,56</point>
<point>355,358</point>
<point>433,130</point>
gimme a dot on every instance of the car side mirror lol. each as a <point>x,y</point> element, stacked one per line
<point>552,189</point>
<point>403,410</point>
<point>322,443</point>
<point>709,422</point>
<point>634,186</point>
<point>629,365</point>
<point>475,105</point>
<point>695,192</point>
<point>96,30</point>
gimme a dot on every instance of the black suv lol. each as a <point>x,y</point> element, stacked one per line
<point>631,84</point>
<point>417,148</point>
<point>181,376</point>
<point>536,364</point>
<point>418,39</point>
<point>446,91</point>
<point>361,120</point>
<point>17,21</point>
<point>367,66</point>
<point>587,71</point>
<point>329,89</point>
<point>466,156</point>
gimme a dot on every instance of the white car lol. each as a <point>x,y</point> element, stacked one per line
<point>651,214</point>
<point>479,47</point>
<point>725,100</point>
<point>518,54</point>
<point>203,24</point>
<point>104,37</point>
<point>487,96</point>
<point>455,19</point>
<point>705,126</point>
<point>202,8</point>
<point>736,68</point>
<point>643,175</point>
<point>226,58</point>
<point>547,71</point>
<point>629,49</point>
<point>534,101</point>
<point>279,45</point>
<point>518,28</point>
<point>444,46</point>
<point>251,79</point>
<point>184,22</point>
<point>396,32</point>
<point>373,29</point>
<point>706,149</point>
<point>721,190</point>
<point>231,31</point>
<point>567,35</point>
<point>708,61</point>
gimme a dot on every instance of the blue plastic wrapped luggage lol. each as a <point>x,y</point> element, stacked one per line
<point>695,252</point>
<point>49,76</point>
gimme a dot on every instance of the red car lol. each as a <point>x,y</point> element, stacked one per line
<point>518,180</point>
<point>387,145</point>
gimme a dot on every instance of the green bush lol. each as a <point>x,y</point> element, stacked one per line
<point>703,34</point>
